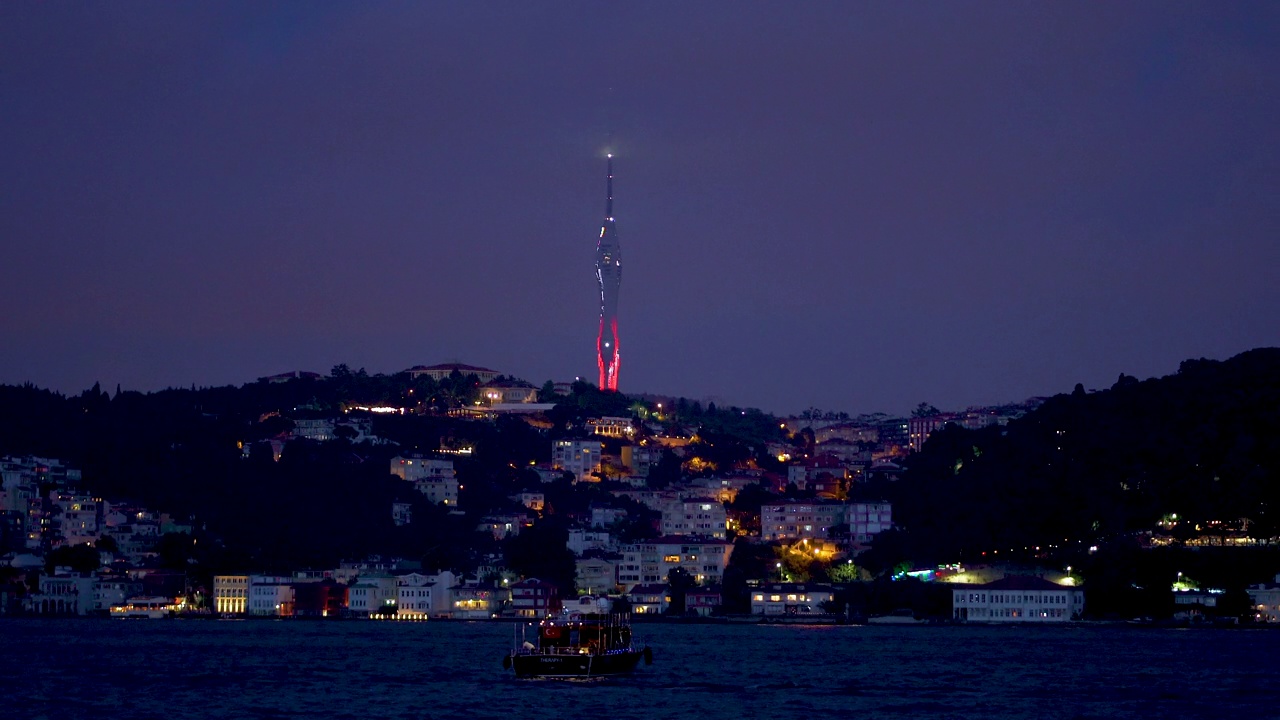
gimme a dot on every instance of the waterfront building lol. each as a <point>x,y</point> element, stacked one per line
<point>790,599</point>
<point>534,598</point>
<point>609,277</point>
<point>372,593</point>
<point>230,594</point>
<point>270,595</point>
<point>1265,599</point>
<point>1018,599</point>
<point>649,599</point>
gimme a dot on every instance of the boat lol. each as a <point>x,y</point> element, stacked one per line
<point>578,645</point>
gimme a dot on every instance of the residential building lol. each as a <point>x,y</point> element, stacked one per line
<point>798,520</point>
<point>1018,599</point>
<point>649,599</point>
<point>596,575</point>
<point>640,459</point>
<point>822,474</point>
<point>371,594</point>
<point>401,513</point>
<point>1265,598</point>
<point>582,541</point>
<point>920,428</point>
<point>866,519</point>
<point>433,477</point>
<point>790,599</point>
<point>534,598</point>
<point>474,601</point>
<point>413,596</point>
<point>651,561</point>
<point>317,429</point>
<point>112,590</point>
<point>579,457</point>
<point>604,517</point>
<point>270,595</point>
<point>695,516</point>
<point>703,601</point>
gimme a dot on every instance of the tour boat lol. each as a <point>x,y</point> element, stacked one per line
<point>578,645</point>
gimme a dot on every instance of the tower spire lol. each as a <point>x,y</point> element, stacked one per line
<point>608,205</point>
<point>609,275</point>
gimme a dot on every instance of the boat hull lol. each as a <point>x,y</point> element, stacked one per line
<point>529,665</point>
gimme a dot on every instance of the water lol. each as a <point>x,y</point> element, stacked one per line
<point>366,670</point>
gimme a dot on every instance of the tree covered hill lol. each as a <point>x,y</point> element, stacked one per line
<point>1203,444</point>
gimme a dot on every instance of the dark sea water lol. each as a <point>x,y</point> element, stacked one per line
<point>366,670</point>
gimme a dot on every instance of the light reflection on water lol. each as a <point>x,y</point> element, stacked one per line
<point>166,669</point>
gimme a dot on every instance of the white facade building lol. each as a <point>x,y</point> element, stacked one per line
<point>696,516</point>
<point>230,594</point>
<point>1018,600</point>
<point>1265,598</point>
<point>798,520</point>
<point>432,477</point>
<point>650,561</point>
<point>270,595</point>
<point>790,599</point>
<point>579,457</point>
<point>866,519</point>
<point>372,593</point>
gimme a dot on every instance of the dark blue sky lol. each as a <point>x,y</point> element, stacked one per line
<point>858,206</point>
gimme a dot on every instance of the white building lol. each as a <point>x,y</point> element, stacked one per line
<point>432,477</point>
<point>614,427</point>
<point>270,595</point>
<point>798,520</point>
<point>372,593</point>
<point>650,561</point>
<point>790,599</point>
<point>1018,599</point>
<point>230,594</point>
<point>1265,598</point>
<point>640,459</point>
<point>595,575</point>
<point>695,516</point>
<point>581,540</point>
<point>413,596</point>
<point>866,519</point>
<point>579,457</point>
<point>319,430</point>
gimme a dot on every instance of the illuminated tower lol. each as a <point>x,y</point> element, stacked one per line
<point>609,274</point>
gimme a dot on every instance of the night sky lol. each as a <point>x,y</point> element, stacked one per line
<point>858,206</point>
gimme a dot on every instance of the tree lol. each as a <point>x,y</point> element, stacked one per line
<point>80,558</point>
<point>924,410</point>
<point>679,583</point>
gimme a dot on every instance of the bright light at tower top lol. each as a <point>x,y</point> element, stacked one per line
<point>608,155</point>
